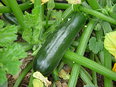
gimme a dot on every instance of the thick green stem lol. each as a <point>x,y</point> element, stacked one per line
<point>55,75</point>
<point>17,12</point>
<point>85,78</point>
<point>47,18</point>
<point>90,64</point>
<point>37,4</point>
<point>108,64</point>
<point>97,14</point>
<point>102,3</point>
<point>24,6</point>
<point>94,4</point>
<point>5,2</point>
<point>67,12</point>
<point>80,50</point>
<point>109,3</point>
<point>31,80</point>
<point>39,12</point>
<point>23,74</point>
<point>88,11</point>
<point>60,66</point>
<point>99,36</point>
<point>61,5</point>
<point>94,76</point>
<point>97,59</point>
<point>74,75</point>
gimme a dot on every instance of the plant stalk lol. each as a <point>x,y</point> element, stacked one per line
<point>23,74</point>
<point>24,6</point>
<point>71,56</point>
<point>80,50</point>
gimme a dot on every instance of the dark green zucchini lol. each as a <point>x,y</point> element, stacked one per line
<point>10,18</point>
<point>57,43</point>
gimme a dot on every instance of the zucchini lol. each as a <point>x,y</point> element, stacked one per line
<point>57,43</point>
<point>10,18</point>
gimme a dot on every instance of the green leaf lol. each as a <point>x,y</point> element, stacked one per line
<point>27,35</point>
<point>97,27</point>
<point>30,19</point>
<point>10,58</point>
<point>50,4</point>
<point>2,76</point>
<point>49,31</point>
<point>37,35</point>
<point>106,27</point>
<point>33,32</point>
<point>13,52</point>
<point>57,15</point>
<point>12,67</point>
<point>5,84</point>
<point>1,23</point>
<point>8,35</point>
<point>112,11</point>
<point>95,46</point>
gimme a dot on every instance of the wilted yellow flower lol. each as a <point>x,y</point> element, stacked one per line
<point>110,43</point>
<point>37,83</point>
<point>43,79</point>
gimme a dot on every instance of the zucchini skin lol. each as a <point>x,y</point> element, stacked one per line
<point>52,51</point>
<point>10,18</point>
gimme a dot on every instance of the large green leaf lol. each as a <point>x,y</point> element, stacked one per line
<point>7,34</point>
<point>2,76</point>
<point>33,31</point>
<point>9,60</point>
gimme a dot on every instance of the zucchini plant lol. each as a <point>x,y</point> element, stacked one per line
<point>63,38</point>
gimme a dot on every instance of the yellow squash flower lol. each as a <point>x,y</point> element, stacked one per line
<point>110,42</point>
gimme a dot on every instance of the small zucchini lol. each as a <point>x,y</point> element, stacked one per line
<point>10,18</point>
<point>57,43</point>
